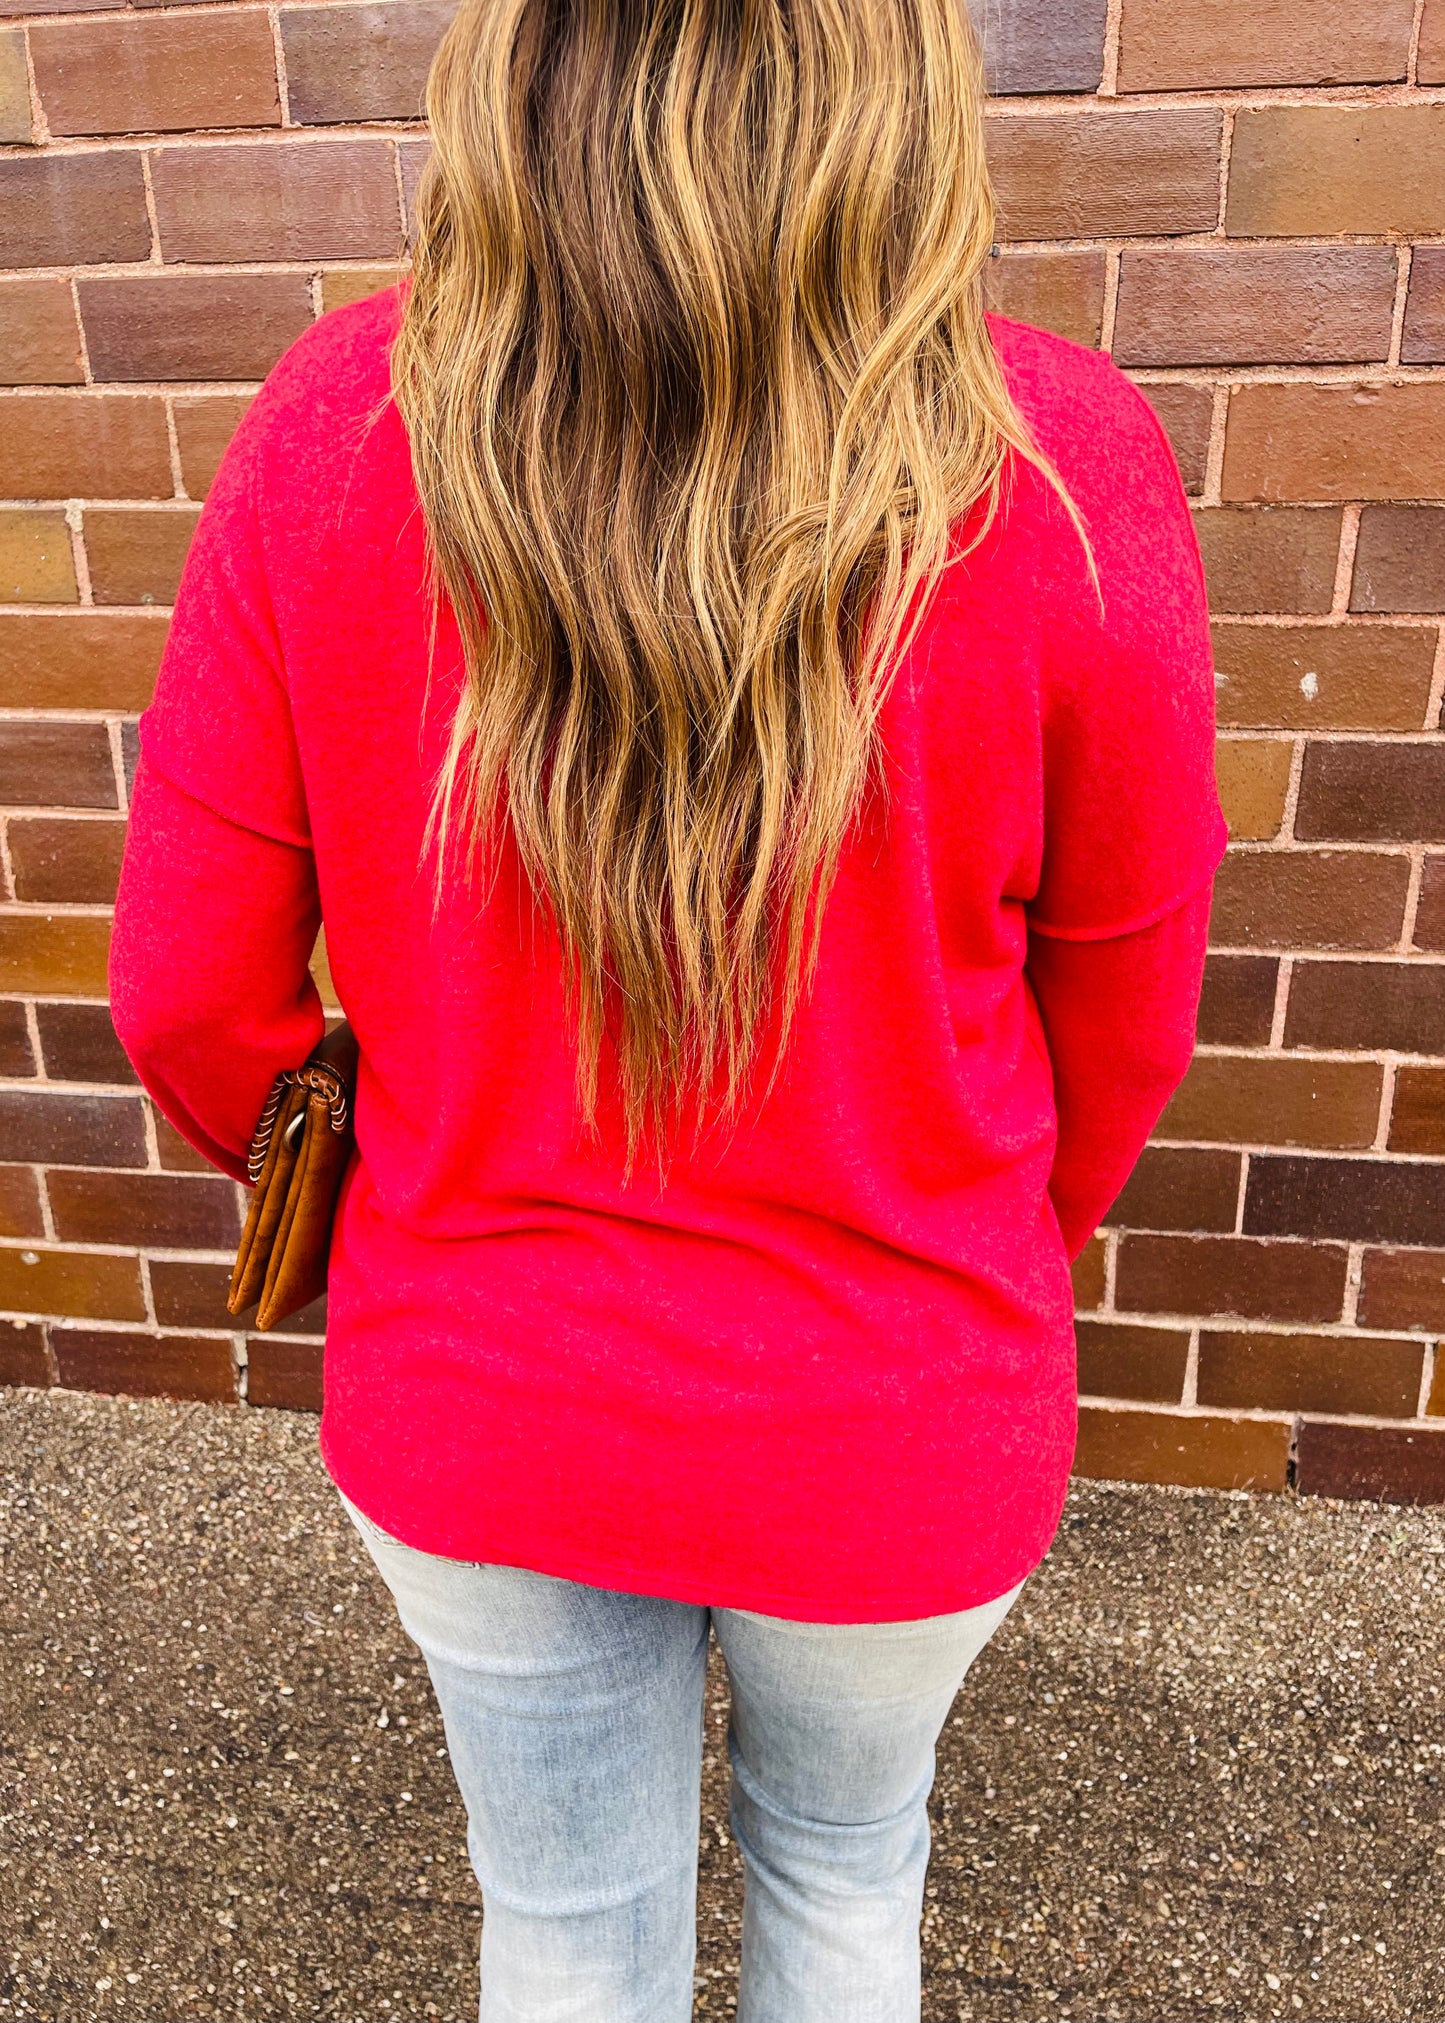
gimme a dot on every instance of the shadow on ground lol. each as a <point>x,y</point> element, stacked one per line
<point>1198,1774</point>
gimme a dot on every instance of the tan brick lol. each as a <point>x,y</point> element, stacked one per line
<point>1197,45</point>
<point>1422,341</point>
<point>277,200</point>
<point>1417,1119</point>
<point>204,426</point>
<point>80,659</point>
<point>1269,1099</point>
<point>1186,413</point>
<point>1125,1359</point>
<point>135,556</point>
<point>157,74</point>
<point>126,1362</point>
<point>1403,1289</point>
<point>1302,170</point>
<point>54,954</point>
<point>1253,778</point>
<point>15,121</point>
<point>1269,558</point>
<point>72,210</point>
<point>20,1210</point>
<point>1347,899</point>
<point>36,563</point>
<point>343,285</point>
<point>1323,677</point>
<point>1106,174</point>
<point>1242,1369</point>
<point>1221,305</point>
<point>350,64</point>
<point>1231,1275</point>
<point>39,333</point>
<point>17,1056</point>
<point>1190,1449</point>
<point>1323,443</point>
<point>1062,291</point>
<point>99,1286</point>
<point>191,326</point>
<point>1430,56</point>
<point>83,445</point>
<point>64,861</point>
<point>1400,559</point>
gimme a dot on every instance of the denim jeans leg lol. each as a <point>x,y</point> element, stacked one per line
<point>832,1750</point>
<point>574,1720</point>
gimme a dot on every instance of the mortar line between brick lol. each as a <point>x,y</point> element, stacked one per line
<point>1412,57</point>
<point>1427,1379</point>
<point>283,86</point>
<point>1226,155</point>
<point>1113,28</point>
<point>1212,493</point>
<point>1111,1267</point>
<point>39,124</point>
<point>147,1290</point>
<point>1412,900</point>
<point>1238,1229</point>
<point>1189,1394</point>
<point>1390,1068</point>
<point>1291,795</point>
<point>1345,561</point>
<point>1397,313</point>
<point>1436,704</point>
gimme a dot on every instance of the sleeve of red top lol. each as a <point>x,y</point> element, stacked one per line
<point>211,993</point>
<point>1119,1018</point>
<point>1132,821</point>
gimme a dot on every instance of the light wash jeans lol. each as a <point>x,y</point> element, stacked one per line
<point>574,1717</point>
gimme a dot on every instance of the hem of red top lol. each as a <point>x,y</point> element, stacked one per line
<point>702,1594</point>
<point>1152,914</point>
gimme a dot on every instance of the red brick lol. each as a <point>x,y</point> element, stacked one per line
<point>1236,1005</point>
<point>1386,1201</point>
<point>66,862</point>
<point>1089,1271</point>
<point>1252,777</point>
<point>204,426</point>
<point>1403,1289</point>
<point>97,1285</point>
<point>72,210</point>
<point>1196,45</point>
<point>39,334</point>
<point>1378,1464</point>
<point>1309,899</point>
<point>1269,558</point>
<point>9,7</point>
<point>126,1362</point>
<point>283,1374</point>
<point>352,64</point>
<point>1367,1006</point>
<point>1230,1275</point>
<point>65,764</point>
<point>17,1057</point>
<point>1172,1187</point>
<point>1037,45</point>
<point>1369,792</point>
<point>1106,174</point>
<point>49,1128</point>
<point>1274,1099</point>
<point>1417,1120</point>
<point>23,1355</point>
<point>15,119</point>
<point>1368,1375</point>
<point>1430,51</point>
<point>135,556</point>
<point>1322,443</point>
<point>171,1211</point>
<point>1224,305</point>
<point>20,1210</point>
<point>54,953</point>
<point>1300,171</point>
<point>139,75</point>
<point>1187,413</point>
<point>1422,341</point>
<point>277,200</point>
<point>80,659</point>
<point>37,563</point>
<point>1191,1449</point>
<point>79,1044</point>
<point>1062,291</point>
<point>1430,913</point>
<point>1400,559</point>
<point>191,326</point>
<point>1124,1359</point>
<point>83,445</point>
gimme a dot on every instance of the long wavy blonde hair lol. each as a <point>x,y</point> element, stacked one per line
<point>698,388</point>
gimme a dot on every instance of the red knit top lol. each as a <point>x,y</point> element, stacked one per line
<point>827,1370</point>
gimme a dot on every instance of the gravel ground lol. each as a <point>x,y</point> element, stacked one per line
<point>1199,1773</point>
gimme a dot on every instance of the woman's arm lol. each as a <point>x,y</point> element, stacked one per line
<point>1119,1018</point>
<point>211,993</point>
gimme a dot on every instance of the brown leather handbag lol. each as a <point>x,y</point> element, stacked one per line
<point>299,1156</point>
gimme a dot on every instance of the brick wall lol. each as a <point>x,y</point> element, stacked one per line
<point>1244,200</point>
